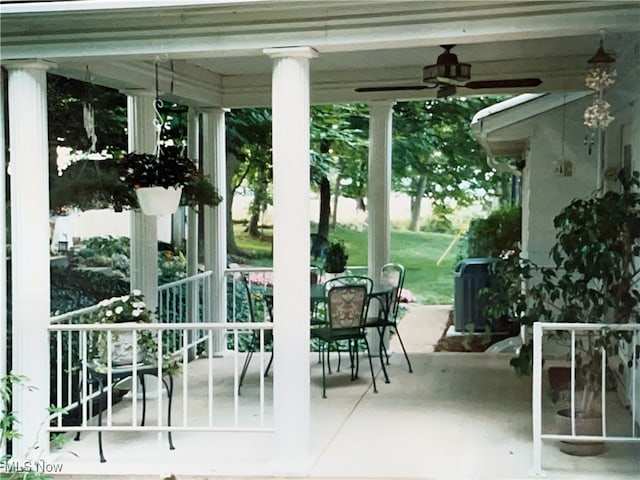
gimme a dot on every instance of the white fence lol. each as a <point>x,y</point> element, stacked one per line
<point>184,336</point>
<point>633,388</point>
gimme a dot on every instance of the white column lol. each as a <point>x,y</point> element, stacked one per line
<point>3,247</point>
<point>28,142</point>
<point>378,193</point>
<point>144,228</point>
<point>379,185</point>
<point>291,153</point>
<point>193,148</point>
<point>215,218</point>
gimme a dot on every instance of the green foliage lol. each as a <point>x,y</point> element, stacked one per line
<point>89,184</point>
<point>500,232</point>
<point>435,155</point>
<point>9,428</point>
<point>335,257</point>
<point>73,289</point>
<point>595,276</point>
<point>438,224</point>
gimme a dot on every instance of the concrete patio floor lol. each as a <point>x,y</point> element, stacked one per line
<point>458,416</point>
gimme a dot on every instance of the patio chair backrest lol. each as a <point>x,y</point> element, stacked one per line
<point>268,334</point>
<point>347,301</point>
<point>392,274</point>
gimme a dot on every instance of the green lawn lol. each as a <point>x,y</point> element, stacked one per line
<point>418,252</point>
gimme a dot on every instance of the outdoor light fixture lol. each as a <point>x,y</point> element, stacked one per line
<point>447,69</point>
<point>600,76</point>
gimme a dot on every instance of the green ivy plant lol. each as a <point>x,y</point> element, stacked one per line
<point>128,308</point>
<point>9,431</point>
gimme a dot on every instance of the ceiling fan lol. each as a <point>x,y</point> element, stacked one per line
<point>447,74</point>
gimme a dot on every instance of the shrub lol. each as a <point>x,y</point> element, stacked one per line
<point>500,232</point>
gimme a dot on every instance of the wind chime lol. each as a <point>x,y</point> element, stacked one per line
<point>600,76</point>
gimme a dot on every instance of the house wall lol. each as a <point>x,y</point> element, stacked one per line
<point>555,137</point>
<point>558,135</point>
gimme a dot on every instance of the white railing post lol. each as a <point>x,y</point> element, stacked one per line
<point>537,399</point>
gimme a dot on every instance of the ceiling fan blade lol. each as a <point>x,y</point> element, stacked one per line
<point>397,88</point>
<point>506,83</point>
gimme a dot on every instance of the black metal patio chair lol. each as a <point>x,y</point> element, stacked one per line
<point>392,274</point>
<point>346,311</point>
<point>255,340</point>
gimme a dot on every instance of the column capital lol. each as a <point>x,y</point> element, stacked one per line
<point>210,110</point>
<point>137,92</point>
<point>291,52</point>
<point>381,103</point>
<point>34,63</point>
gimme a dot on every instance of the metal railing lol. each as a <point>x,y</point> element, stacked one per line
<point>184,332</point>
<point>575,330</point>
<point>221,381</point>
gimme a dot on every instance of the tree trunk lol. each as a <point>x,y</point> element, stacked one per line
<point>416,203</point>
<point>253,228</point>
<point>232,165</point>
<point>325,207</point>
<point>336,196</point>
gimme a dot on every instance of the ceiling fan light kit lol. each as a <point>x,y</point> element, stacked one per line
<point>447,69</point>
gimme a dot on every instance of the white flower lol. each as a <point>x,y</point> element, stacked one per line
<point>139,305</point>
<point>108,313</point>
<point>119,310</point>
<point>125,299</point>
<point>136,292</point>
<point>136,312</point>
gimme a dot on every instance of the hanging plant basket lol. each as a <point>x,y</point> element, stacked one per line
<point>158,200</point>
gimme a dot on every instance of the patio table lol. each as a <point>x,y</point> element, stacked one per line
<point>119,373</point>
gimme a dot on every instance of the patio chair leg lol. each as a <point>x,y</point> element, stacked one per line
<point>101,406</point>
<point>324,384</point>
<point>382,349</point>
<point>144,399</point>
<point>266,372</point>
<point>245,367</point>
<point>373,377</point>
<point>403,349</point>
<point>170,395</point>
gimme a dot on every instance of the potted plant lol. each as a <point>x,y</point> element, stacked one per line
<point>161,180</point>
<point>594,280</point>
<point>335,257</point>
<point>126,309</point>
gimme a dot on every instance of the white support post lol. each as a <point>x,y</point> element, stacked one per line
<point>28,142</point>
<point>378,194</point>
<point>291,157</point>
<point>215,218</point>
<point>3,248</point>
<point>144,228</point>
<point>193,148</point>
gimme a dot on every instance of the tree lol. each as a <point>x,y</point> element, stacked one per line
<point>248,160</point>
<point>338,152</point>
<point>435,156</point>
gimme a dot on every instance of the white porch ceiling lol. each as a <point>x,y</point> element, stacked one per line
<point>211,52</point>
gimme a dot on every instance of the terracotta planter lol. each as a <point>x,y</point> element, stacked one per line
<point>158,200</point>
<point>584,426</point>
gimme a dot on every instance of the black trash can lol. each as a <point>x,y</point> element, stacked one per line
<point>471,276</point>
